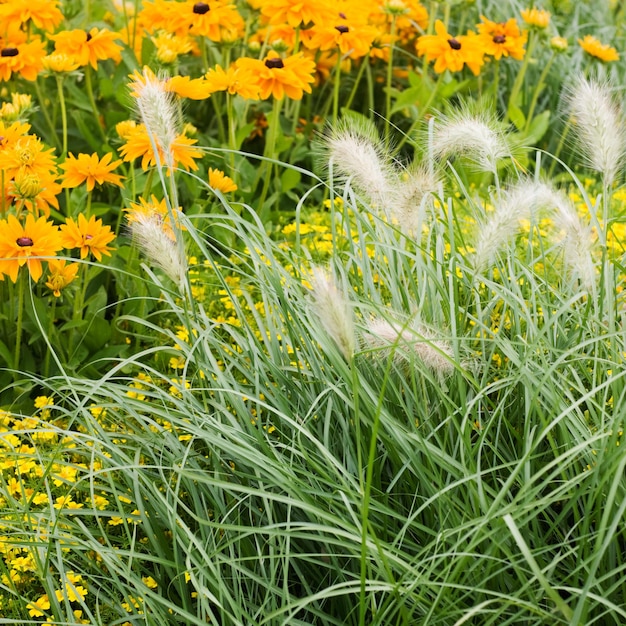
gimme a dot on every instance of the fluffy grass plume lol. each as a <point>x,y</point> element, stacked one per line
<point>599,126</point>
<point>475,136</point>
<point>333,310</point>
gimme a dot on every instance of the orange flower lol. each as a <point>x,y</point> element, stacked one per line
<point>88,47</point>
<point>219,181</point>
<point>539,18</point>
<point>216,20</point>
<point>88,235</point>
<point>44,14</point>
<point>352,39</point>
<point>25,59</point>
<point>451,53</point>
<point>234,80</point>
<point>599,50</point>
<point>28,155</point>
<point>138,144</point>
<point>298,12</point>
<point>183,86</point>
<point>26,245</point>
<point>90,169</point>
<point>60,275</point>
<point>502,39</point>
<point>278,77</point>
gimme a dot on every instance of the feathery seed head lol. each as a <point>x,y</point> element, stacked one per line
<point>599,126</point>
<point>409,342</point>
<point>333,310</point>
<point>475,136</point>
<point>148,233</point>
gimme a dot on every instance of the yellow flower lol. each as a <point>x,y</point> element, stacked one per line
<point>502,39</point>
<point>219,181</point>
<point>88,47</point>
<point>596,49</point>
<point>60,275</point>
<point>37,608</point>
<point>88,235</point>
<point>559,44</point>
<point>90,169</point>
<point>291,76</point>
<point>539,18</point>
<point>27,244</point>
<point>234,80</point>
<point>449,52</point>
<point>58,63</point>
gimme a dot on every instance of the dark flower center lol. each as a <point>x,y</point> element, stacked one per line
<point>499,39</point>
<point>342,28</point>
<point>200,8</point>
<point>24,242</point>
<point>9,52</point>
<point>274,63</point>
<point>88,36</point>
<point>343,16</point>
<point>455,44</point>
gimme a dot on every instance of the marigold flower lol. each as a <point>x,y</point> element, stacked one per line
<point>449,52</point>
<point>25,59</point>
<point>61,274</point>
<point>88,47</point>
<point>27,154</point>
<point>539,18</point>
<point>502,39</point>
<point>89,235</point>
<point>90,169</point>
<point>220,182</point>
<point>595,48</point>
<point>277,77</point>
<point>26,244</point>
<point>44,14</point>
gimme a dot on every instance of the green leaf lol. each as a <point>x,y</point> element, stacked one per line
<point>517,117</point>
<point>289,179</point>
<point>538,127</point>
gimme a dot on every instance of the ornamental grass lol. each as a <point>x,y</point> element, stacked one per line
<point>312,313</point>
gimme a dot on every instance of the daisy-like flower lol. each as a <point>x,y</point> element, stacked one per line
<point>502,39</point>
<point>539,18</point>
<point>60,275</point>
<point>352,38</point>
<point>90,169</point>
<point>299,12</point>
<point>26,244</point>
<point>449,52</point>
<point>88,47</point>
<point>60,63</point>
<point>89,235</point>
<point>216,20</point>
<point>595,48</point>
<point>182,86</point>
<point>219,181</point>
<point>24,58</point>
<point>170,46</point>
<point>138,144</point>
<point>44,14</point>
<point>278,77</point>
<point>234,80</point>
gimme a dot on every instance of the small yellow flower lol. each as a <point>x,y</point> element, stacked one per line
<point>87,235</point>
<point>559,44</point>
<point>61,275</point>
<point>220,182</point>
<point>58,63</point>
<point>593,47</point>
<point>37,608</point>
<point>539,18</point>
<point>91,169</point>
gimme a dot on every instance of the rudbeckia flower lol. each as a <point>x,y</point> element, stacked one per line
<point>502,39</point>
<point>88,47</point>
<point>44,14</point>
<point>89,235</point>
<point>26,244</point>
<point>219,181</point>
<point>25,59</point>
<point>61,274</point>
<point>278,77</point>
<point>449,52</point>
<point>90,169</point>
<point>593,47</point>
<point>298,12</point>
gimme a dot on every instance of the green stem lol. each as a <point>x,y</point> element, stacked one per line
<point>357,80</point>
<point>270,150</point>
<point>388,85</point>
<point>336,88</point>
<point>92,101</point>
<point>519,79</point>
<point>538,89</point>
<point>22,278</point>
<point>46,362</point>
<point>44,109</point>
<point>63,114</point>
